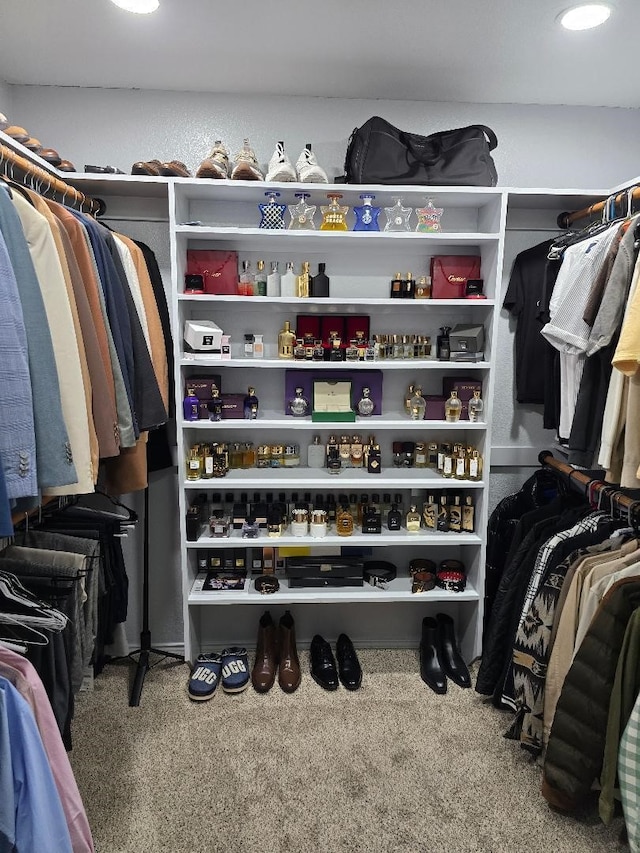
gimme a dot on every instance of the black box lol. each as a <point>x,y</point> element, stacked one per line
<point>324,571</point>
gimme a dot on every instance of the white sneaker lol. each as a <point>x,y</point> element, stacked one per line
<point>246,168</point>
<point>280,168</point>
<point>308,170</point>
<point>216,165</point>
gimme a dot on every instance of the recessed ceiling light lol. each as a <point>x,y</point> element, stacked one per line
<point>585,17</point>
<point>141,7</point>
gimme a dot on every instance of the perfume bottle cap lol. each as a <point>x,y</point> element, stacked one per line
<point>260,265</point>
<point>321,267</point>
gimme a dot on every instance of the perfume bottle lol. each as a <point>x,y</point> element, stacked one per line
<point>408,397</point>
<point>302,214</point>
<point>475,407</point>
<point>286,341</point>
<point>207,461</point>
<point>351,352</point>
<point>475,466</point>
<point>250,528</point>
<point>394,518</point>
<point>215,405</point>
<point>299,352</point>
<point>248,345</point>
<point>396,286</point>
<point>344,521</point>
<point>246,281</point>
<point>423,287</point>
<point>443,345</point>
<point>288,281</point>
<point>316,453</point>
<point>318,350</point>
<point>417,406</point>
<point>219,527</point>
<point>461,462</point>
<point>318,524</point>
<point>258,346</point>
<point>272,213</point>
<point>430,513</point>
<point>235,455</point>
<point>374,459</point>
<point>250,405</point>
<point>398,216</point>
<point>260,280</point>
<point>302,282</point>
<point>335,351</point>
<point>275,524</point>
<point>429,218</point>
<point>448,461</point>
<point>409,287</point>
<point>366,215</point>
<point>194,463</point>
<point>365,405</point>
<point>455,515</point>
<point>334,215</point>
<point>300,521</point>
<point>273,280</point>
<point>432,455</point>
<point>420,455</point>
<point>319,285</point>
<point>221,461</point>
<point>291,456</point>
<point>344,449</point>
<point>357,452</point>
<point>453,408</point>
<point>299,405</point>
<point>413,520</point>
<point>190,406</point>
<point>443,515</point>
<point>468,513</point>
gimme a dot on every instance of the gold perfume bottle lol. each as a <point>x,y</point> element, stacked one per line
<point>286,341</point>
<point>334,215</point>
<point>302,282</point>
<point>413,520</point>
<point>475,466</point>
<point>344,521</point>
<point>194,463</point>
<point>468,515</point>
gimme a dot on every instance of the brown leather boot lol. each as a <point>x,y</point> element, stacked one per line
<point>289,675</point>
<point>263,673</point>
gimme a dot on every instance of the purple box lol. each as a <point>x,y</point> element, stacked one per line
<point>359,379</point>
<point>203,385</point>
<point>232,406</point>
<point>203,411</point>
<point>435,407</point>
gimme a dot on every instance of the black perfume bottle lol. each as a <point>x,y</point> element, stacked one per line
<point>443,344</point>
<point>371,520</point>
<point>374,459</point>
<point>320,283</point>
<point>394,518</point>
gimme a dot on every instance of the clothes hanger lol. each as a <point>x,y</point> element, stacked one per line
<point>31,631</point>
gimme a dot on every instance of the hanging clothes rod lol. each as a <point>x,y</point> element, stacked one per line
<point>589,486</point>
<point>565,220</point>
<point>42,180</point>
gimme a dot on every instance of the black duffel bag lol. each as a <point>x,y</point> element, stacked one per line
<point>379,153</point>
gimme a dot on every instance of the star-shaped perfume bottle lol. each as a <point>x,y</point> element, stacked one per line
<point>366,214</point>
<point>334,216</point>
<point>302,214</point>
<point>429,218</point>
<point>398,217</point>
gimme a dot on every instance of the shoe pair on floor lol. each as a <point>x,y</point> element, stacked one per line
<point>246,167</point>
<point>323,665</point>
<point>232,665</point>
<point>440,657</point>
<point>276,654</point>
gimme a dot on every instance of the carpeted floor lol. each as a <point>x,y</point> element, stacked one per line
<point>390,768</point>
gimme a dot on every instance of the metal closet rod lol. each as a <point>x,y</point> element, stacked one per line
<point>565,220</point>
<point>589,486</point>
<point>11,160</point>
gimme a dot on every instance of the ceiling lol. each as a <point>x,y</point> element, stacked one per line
<point>476,51</point>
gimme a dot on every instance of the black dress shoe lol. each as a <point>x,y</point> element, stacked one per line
<point>323,665</point>
<point>448,652</point>
<point>348,664</point>
<point>430,669</point>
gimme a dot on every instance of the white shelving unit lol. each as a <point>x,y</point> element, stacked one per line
<point>360,267</point>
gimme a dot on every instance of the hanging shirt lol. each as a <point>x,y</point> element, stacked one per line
<point>629,776</point>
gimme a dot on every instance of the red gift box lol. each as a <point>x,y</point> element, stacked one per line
<point>450,273</point>
<point>219,269</point>
<point>308,324</point>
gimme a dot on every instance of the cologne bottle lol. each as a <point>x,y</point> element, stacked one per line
<point>320,283</point>
<point>302,282</point>
<point>443,345</point>
<point>207,461</point>
<point>429,218</point>
<point>318,524</point>
<point>274,521</point>
<point>250,528</point>
<point>246,281</point>
<point>333,448</point>
<point>453,408</point>
<point>335,352</point>
<point>194,463</point>
<point>417,406</point>
<point>396,286</point>
<point>443,515</point>
<point>398,217</point>
<point>413,520</point>
<point>351,352</point>
<point>273,280</point>
<point>455,515</point>
<point>408,397</point>
<point>258,346</point>
<point>344,448</point>
<point>408,454</point>
<point>219,527</point>
<point>272,213</point>
<point>333,214</point>
<point>299,405</point>
<point>423,287</point>
<point>357,452</point>
<point>409,287</point>
<point>288,281</point>
<point>215,405</point>
<point>286,341</point>
<point>221,461</point>
<point>316,453</point>
<point>468,513</point>
<point>366,214</point>
<point>260,280</point>
<point>344,521</point>
<point>461,464</point>
<point>248,345</point>
<point>475,407</point>
<point>291,456</point>
<point>394,518</point>
<point>430,513</point>
<point>263,456</point>
<point>448,461</point>
<point>299,352</point>
<point>190,406</point>
<point>302,214</point>
<point>420,455</point>
<point>250,406</point>
<point>318,351</point>
<point>365,405</point>
<point>475,466</point>
<point>372,520</point>
<point>432,455</point>
<point>235,456</point>
<point>300,521</point>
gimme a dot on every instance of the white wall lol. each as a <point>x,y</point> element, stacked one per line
<point>538,146</point>
<point>6,101</point>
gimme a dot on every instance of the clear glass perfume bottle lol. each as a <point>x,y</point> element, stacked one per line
<point>408,397</point>
<point>190,406</point>
<point>251,405</point>
<point>316,453</point>
<point>417,406</point>
<point>302,214</point>
<point>475,407</point>
<point>398,216</point>
<point>366,214</point>
<point>194,463</point>
<point>273,280</point>
<point>333,214</point>
<point>453,408</point>
<point>246,280</point>
<point>288,281</point>
<point>365,405</point>
<point>429,218</point>
<point>475,465</point>
<point>272,213</point>
<point>260,280</point>
<point>299,405</point>
<point>250,528</point>
<point>413,520</point>
<point>286,341</point>
<point>207,461</point>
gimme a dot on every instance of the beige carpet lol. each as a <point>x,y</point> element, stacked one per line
<point>390,768</point>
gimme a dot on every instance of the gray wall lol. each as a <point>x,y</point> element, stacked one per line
<point>538,146</point>
<point>6,101</point>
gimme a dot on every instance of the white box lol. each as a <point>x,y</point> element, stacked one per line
<point>203,335</point>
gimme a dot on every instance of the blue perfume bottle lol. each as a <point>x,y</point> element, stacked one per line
<point>272,213</point>
<point>302,214</point>
<point>366,214</point>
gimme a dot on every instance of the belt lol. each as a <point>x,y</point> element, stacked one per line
<point>452,576</point>
<point>267,584</point>
<point>379,572</point>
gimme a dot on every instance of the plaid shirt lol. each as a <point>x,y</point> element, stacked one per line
<point>629,776</point>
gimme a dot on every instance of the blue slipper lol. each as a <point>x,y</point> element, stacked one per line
<point>205,676</point>
<point>235,669</point>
